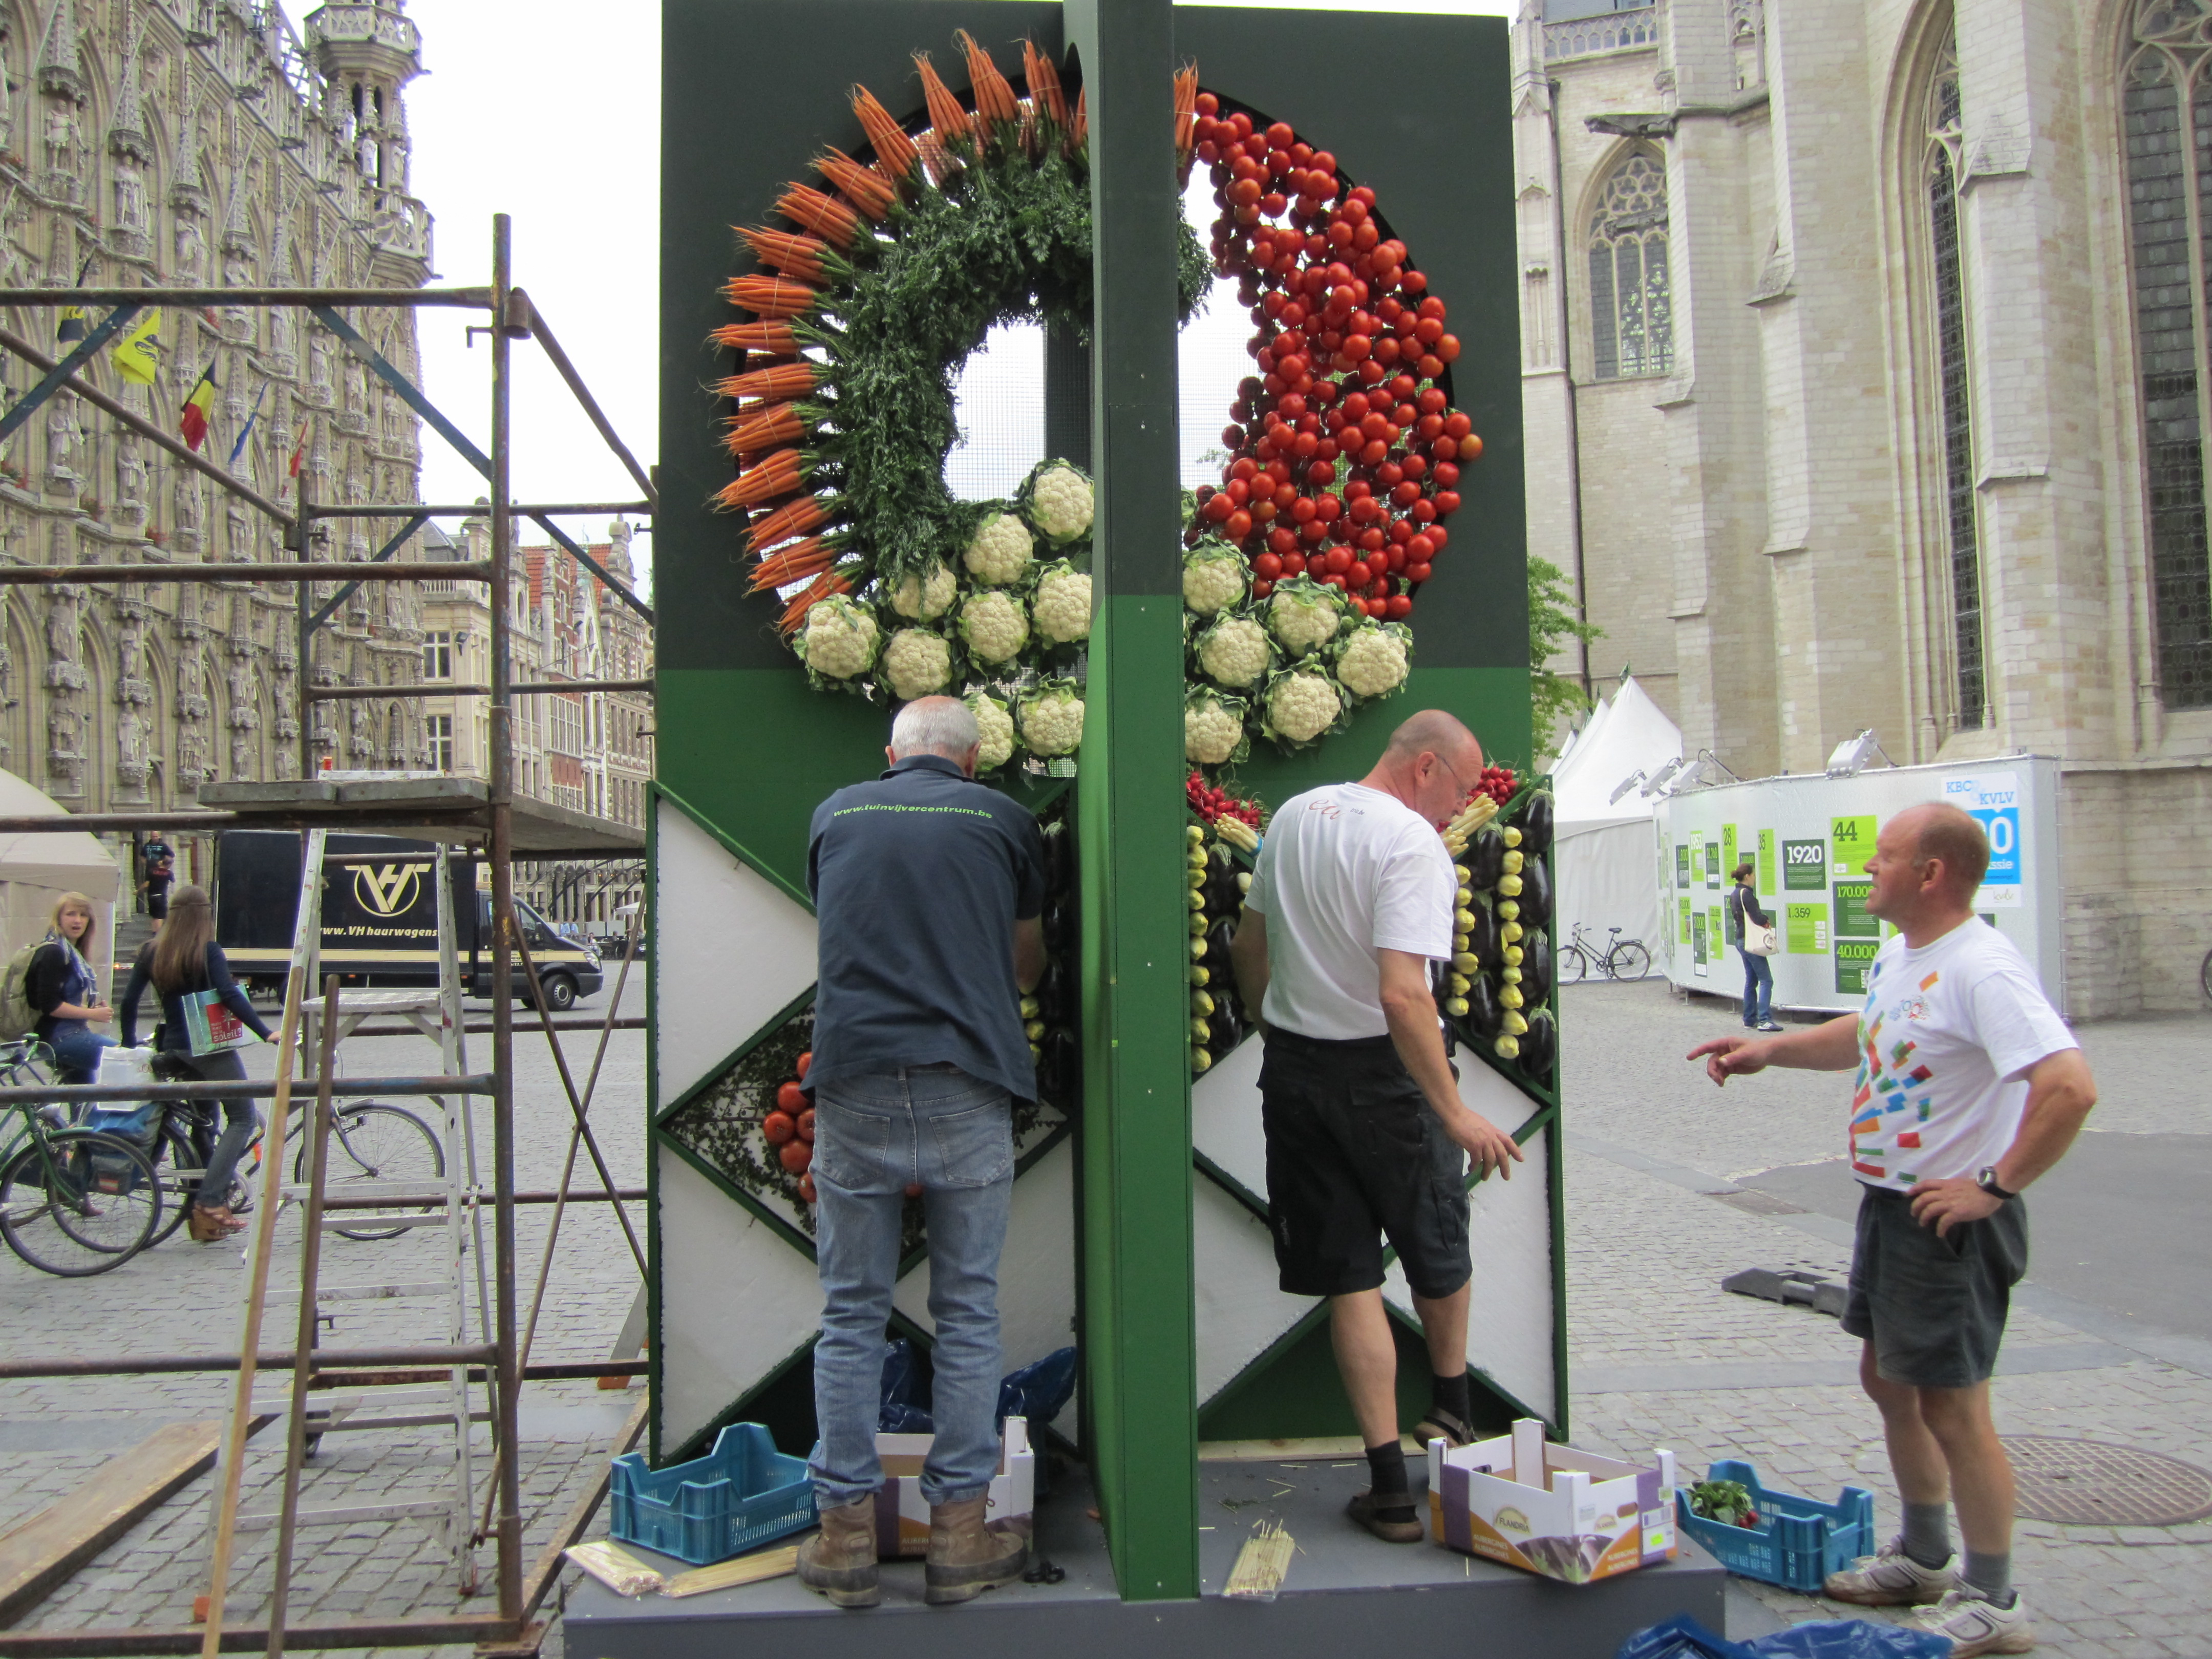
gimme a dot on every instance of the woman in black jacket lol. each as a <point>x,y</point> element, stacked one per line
<point>61,984</point>
<point>1758,971</point>
<point>185,960</point>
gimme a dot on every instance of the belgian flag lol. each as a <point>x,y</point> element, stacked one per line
<point>193,422</point>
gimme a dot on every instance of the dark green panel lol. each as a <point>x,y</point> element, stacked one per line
<point>1297,1395</point>
<point>1435,139</point>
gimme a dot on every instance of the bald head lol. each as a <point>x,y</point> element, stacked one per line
<point>1438,733</point>
<point>1947,835</point>
<point>1431,763</point>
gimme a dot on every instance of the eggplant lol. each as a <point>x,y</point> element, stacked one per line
<point>1533,819</point>
<point>1535,895</point>
<point>1486,1015</point>
<point>1484,857</point>
<point>1223,895</point>
<point>1539,1046</point>
<point>1052,994</point>
<point>1484,940</point>
<point>1535,967</point>
<point>1058,858</point>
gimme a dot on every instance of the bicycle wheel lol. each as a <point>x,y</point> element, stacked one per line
<point>1629,960</point>
<point>177,1169</point>
<point>75,1203</point>
<point>1571,964</point>
<point>2205,973</point>
<point>373,1142</point>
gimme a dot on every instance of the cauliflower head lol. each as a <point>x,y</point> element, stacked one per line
<point>1052,719</point>
<point>994,626</point>
<point>839,640</point>
<point>1373,660</point>
<point>925,598</point>
<point>1301,705</point>
<point>1302,614</point>
<point>1056,498</point>
<point>1213,577</point>
<point>1002,551</point>
<point>1212,728</point>
<point>1061,607</point>
<point>1233,652</point>
<point>917,663</point>
<point>996,728</point>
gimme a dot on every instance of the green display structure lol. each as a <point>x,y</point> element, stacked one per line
<point>1139,1227</point>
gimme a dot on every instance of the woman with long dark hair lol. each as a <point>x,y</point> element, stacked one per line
<point>62,985</point>
<point>184,960</point>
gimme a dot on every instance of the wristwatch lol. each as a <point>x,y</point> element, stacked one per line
<point>1987,1181</point>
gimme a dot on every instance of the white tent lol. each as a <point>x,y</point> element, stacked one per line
<point>1604,857</point>
<point>35,870</point>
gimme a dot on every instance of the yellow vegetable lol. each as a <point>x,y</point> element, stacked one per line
<point>1455,1007</point>
<point>1513,954</point>
<point>1200,976</point>
<point>1464,874</point>
<point>1513,863</point>
<point>1463,920</point>
<point>1508,910</point>
<point>1509,886</point>
<point>1514,1024</point>
<point>1243,881</point>
<point>1512,836</point>
<point>1199,1030</point>
<point>1029,1006</point>
<point>1197,949</point>
<point>1199,1060</point>
<point>1193,834</point>
<point>1034,1030</point>
<point>1467,962</point>
<point>1457,984</point>
<point>1510,996</point>
<point>1197,923</point>
<point>1513,931</point>
<point>1464,896</point>
<point>1509,975</point>
<point>1200,1003</point>
<point>1506,1048</point>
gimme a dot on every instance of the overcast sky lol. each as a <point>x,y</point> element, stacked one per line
<point>545,112</point>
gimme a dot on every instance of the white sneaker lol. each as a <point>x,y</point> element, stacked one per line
<point>1891,1579</point>
<point>1977,1624</point>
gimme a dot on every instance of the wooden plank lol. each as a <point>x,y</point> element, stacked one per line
<point>41,1552</point>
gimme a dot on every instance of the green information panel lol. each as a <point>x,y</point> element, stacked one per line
<point>1712,864</point>
<point>1852,921</point>
<point>1686,921</point>
<point>1700,940</point>
<point>1727,850</point>
<point>1682,868</point>
<point>1716,931</point>
<point>1804,866</point>
<point>1765,876</point>
<point>1854,957</point>
<point>1806,928</point>
<point>1854,842</point>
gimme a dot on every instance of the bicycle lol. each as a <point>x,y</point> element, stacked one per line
<point>1621,959</point>
<point>73,1201</point>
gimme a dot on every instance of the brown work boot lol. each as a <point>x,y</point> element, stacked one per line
<point>840,1560</point>
<point>966,1557</point>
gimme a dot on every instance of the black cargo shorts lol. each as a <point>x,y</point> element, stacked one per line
<point>1934,1307</point>
<point>1354,1156</point>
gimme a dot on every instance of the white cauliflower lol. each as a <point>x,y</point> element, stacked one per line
<point>1372,663</point>
<point>1213,577</point>
<point>1212,729</point>
<point>1052,719</point>
<point>1057,499</point>
<point>917,663</point>
<point>1233,652</point>
<point>996,728</point>
<point>1061,607</point>
<point>1002,551</point>
<point>925,598</point>
<point>994,626</point>
<point>1302,704</point>
<point>1303,614</point>
<point>838,642</point>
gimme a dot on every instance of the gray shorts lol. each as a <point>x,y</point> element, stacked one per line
<point>1934,1307</point>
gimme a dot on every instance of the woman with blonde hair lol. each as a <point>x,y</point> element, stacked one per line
<point>184,962</point>
<point>62,985</point>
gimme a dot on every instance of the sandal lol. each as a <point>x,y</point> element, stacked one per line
<point>211,1225</point>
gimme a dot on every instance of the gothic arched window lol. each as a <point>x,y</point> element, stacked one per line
<point>2166,126</point>
<point>1631,322</point>
<point>1954,381</point>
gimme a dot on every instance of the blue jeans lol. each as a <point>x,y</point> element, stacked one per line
<point>1758,986</point>
<point>76,1048</point>
<point>874,1136</point>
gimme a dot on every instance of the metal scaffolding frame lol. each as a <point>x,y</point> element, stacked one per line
<point>489,823</point>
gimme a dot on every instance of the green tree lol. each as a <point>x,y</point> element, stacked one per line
<point>1551,623</point>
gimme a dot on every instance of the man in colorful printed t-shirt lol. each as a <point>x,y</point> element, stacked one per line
<point>1969,1087</point>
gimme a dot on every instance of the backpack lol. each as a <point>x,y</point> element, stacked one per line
<point>17,1018</point>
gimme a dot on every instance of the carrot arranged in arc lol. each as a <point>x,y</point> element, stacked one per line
<point>802,516</point>
<point>771,296</point>
<point>820,588</point>
<point>779,423</point>
<point>773,338</point>
<point>780,383</point>
<point>894,152</point>
<point>775,475</point>
<point>1045,95</point>
<point>995,107</point>
<point>799,257</point>
<point>865,188</point>
<point>948,122</point>
<point>1186,115</point>
<point>796,564</point>
<point>824,214</point>
<point>1078,130</point>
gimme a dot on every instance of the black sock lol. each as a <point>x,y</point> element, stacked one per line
<point>1386,1470</point>
<point>1450,1393</point>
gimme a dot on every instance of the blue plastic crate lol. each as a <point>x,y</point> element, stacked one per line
<point>1797,1542</point>
<point>739,1497</point>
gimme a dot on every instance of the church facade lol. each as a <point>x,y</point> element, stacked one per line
<point>1866,385</point>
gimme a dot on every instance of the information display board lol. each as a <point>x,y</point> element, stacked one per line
<point>1810,838</point>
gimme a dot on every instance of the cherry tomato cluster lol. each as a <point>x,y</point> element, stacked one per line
<point>1213,804</point>
<point>1497,782</point>
<point>789,1129</point>
<point>1348,346</point>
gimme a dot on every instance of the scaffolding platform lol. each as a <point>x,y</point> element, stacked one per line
<point>453,810</point>
<point>1342,1588</point>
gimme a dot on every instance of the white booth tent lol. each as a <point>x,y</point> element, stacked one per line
<point>36,870</point>
<point>1603,862</point>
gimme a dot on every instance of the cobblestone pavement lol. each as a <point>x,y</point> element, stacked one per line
<point>1660,1354</point>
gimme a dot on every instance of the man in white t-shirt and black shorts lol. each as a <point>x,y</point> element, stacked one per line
<point>1367,1136</point>
<point>1969,1087</point>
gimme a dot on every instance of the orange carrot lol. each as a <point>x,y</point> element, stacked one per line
<point>1078,130</point>
<point>778,423</point>
<point>820,588</point>
<point>799,257</point>
<point>776,384</point>
<point>771,296</point>
<point>774,339</point>
<point>948,122</point>
<point>1045,95</point>
<point>894,152</point>
<point>825,216</point>
<point>775,475</point>
<point>796,564</point>
<point>995,109</point>
<point>793,519</point>
<point>1186,115</point>
<point>864,187</point>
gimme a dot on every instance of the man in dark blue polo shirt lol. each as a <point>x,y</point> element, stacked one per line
<point>928,889</point>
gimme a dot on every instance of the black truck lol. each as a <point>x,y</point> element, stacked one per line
<point>379,919</point>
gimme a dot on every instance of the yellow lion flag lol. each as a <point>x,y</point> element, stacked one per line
<point>138,354</point>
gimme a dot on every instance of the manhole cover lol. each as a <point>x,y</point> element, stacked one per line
<point>2085,1483</point>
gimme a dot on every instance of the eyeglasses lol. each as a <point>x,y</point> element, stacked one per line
<point>1454,770</point>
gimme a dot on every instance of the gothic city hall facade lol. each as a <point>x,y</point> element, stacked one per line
<point>196,143</point>
<point>1865,372</point>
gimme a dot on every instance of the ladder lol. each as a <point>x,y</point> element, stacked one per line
<point>314,1028</point>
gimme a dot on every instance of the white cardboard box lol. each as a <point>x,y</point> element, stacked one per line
<point>1556,1510</point>
<point>902,1514</point>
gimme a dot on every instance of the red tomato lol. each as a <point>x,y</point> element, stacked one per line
<point>1337,561</point>
<point>806,1188</point>
<point>1447,502</point>
<point>806,1127</point>
<point>1313,530</point>
<point>1458,425</point>
<point>1238,526</point>
<point>795,1156</point>
<point>1417,572</point>
<point>1448,348</point>
<point>791,1098</point>
<point>1397,607</point>
<point>805,1060</point>
<point>1283,540</point>
<point>1262,589</point>
<point>1421,549</point>
<point>1268,566</point>
<point>1219,507</point>
<point>1294,563</point>
<point>1444,449</point>
<point>1447,475</point>
<point>779,1128</point>
<point>1429,366</point>
<point>1470,446</point>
